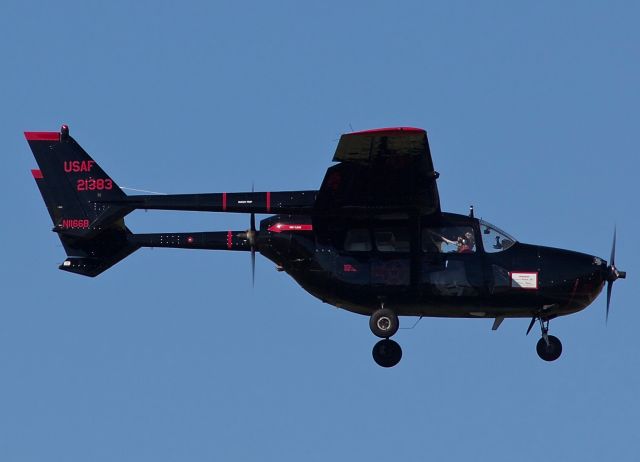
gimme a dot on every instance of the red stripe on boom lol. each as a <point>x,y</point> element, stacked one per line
<point>37,174</point>
<point>268,202</point>
<point>281,227</point>
<point>42,136</point>
<point>224,202</point>
<point>229,240</point>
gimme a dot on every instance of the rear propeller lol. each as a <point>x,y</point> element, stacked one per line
<point>612,273</point>
<point>251,236</point>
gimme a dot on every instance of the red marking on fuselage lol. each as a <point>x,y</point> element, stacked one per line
<point>37,174</point>
<point>42,136</point>
<point>268,202</point>
<point>281,227</point>
<point>71,223</point>
<point>348,268</point>
<point>224,201</point>
<point>229,240</point>
<point>78,166</point>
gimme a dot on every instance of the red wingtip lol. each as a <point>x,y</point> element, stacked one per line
<point>37,174</point>
<point>42,136</point>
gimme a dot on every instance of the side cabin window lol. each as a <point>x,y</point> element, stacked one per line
<point>357,240</point>
<point>392,239</point>
<point>448,239</point>
<point>494,239</point>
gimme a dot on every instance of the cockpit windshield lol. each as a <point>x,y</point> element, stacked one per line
<point>494,239</point>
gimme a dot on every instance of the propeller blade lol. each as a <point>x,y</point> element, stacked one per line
<point>612,260</point>
<point>609,287</point>
<point>253,267</point>
<point>252,241</point>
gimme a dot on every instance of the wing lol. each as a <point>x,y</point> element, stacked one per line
<point>388,169</point>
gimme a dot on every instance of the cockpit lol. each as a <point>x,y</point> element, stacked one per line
<point>494,239</point>
<point>450,238</point>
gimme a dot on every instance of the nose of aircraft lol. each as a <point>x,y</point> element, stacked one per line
<point>591,284</point>
<point>592,280</point>
<point>575,278</point>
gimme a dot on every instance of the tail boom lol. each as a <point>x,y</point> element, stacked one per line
<point>216,240</point>
<point>277,202</point>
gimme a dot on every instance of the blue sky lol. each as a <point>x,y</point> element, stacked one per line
<point>532,114</point>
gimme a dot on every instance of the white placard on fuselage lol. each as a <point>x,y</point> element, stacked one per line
<point>524,280</point>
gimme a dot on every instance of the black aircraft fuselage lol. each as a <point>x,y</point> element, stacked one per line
<point>417,280</point>
<point>371,240</point>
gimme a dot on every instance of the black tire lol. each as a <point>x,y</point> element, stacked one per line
<point>387,353</point>
<point>384,323</point>
<point>549,352</point>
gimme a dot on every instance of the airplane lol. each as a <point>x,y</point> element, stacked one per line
<point>372,240</point>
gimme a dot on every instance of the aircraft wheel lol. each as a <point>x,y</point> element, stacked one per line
<point>549,352</point>
<point>384,323</point>
<point>387,353</point>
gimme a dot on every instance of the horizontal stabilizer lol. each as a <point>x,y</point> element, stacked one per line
<point>88,266</point>
<point>90,257</point>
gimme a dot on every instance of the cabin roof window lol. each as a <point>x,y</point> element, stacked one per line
<point>392,239</point>
<point>357,240</point>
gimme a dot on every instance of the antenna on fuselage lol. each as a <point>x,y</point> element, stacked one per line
<point>471,211</point>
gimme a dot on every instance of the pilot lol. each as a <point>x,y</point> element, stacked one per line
<point>466,243</point>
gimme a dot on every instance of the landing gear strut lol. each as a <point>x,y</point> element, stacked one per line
<point>549,348</point>
<point>384,324</point>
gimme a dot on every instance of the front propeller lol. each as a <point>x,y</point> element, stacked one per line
<point>613,273</point>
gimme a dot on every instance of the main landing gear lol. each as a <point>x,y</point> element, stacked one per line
<point>384,324</point>
<point>549,348</point>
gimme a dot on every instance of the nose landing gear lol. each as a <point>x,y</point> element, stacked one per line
<point>549,348</point>
<point>384,324</point>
